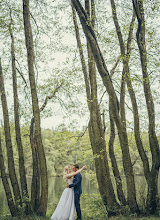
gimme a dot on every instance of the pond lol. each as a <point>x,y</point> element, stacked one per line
<point>57,185</point>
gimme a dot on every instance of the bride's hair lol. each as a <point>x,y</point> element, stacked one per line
<point>65,172</point>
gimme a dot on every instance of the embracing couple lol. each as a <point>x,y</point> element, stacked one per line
<point>71,195</point>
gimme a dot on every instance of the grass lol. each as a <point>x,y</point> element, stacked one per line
<point>135,218</point>
<point>92,209</point>
<point>8,217</point>
<point>92,218</point>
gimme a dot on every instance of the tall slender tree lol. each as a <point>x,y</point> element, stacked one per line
<point>152,197</point>
<point>126,56</point>
<point>8,192</point>
<point>96,130</point>
<point>101,66</point>
<point>22,172</point>
<point>120,120</point>
<point>36,112</point>
<point>11,164</point>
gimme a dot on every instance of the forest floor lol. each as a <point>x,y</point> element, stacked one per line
<point>112,218</point>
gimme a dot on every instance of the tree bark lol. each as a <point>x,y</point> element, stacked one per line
<point>7,189</point>
<point>35,187</point>
<point>84,66</point>
<point>36,113</point>
<point>11,166</point>
<point>22,172</point>
<point>125,74</point>
<point>96,131</point>
<point>116,173</point>
<point>128,169</point>
<point>152,197</point>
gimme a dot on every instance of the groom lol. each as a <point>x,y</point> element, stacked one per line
<point>77,190</point>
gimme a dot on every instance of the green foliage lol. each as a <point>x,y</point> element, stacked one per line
<point>85,217</point>
<point>22,217</point>
<point>63,146</point>
<point>93,207</point>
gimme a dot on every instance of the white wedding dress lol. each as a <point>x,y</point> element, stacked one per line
<point>65,209</point>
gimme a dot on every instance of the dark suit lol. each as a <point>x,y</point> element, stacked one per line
<point>77,192</point>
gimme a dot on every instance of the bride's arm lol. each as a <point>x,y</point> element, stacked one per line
<point>78,171</point>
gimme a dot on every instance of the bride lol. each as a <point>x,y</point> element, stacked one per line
<point>66,208</point>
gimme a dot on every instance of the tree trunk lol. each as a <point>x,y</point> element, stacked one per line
<point>36,113</point>
<point>98,143</point>
<point>128,169</point>
<point>152,197</point>
<point>35,188</point>
<point>116,173</point>
<point>96,131</point>
<point>22,172</point>
<point>131,198</point>
<point>11,167</point>
<point>7,189</point>
<point>103,174</point>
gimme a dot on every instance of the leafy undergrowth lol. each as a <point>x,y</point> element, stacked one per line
<point>92,209</point>
<point>8,217</point>
<point>134,218</point>
<point>84,218</point>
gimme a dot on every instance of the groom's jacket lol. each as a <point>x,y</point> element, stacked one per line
<point>77,184</point>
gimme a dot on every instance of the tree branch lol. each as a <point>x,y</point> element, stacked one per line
<point>115,66</point>
<point>50,97</point>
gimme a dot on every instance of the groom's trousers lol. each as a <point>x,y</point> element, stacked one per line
<point>77,205</point>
